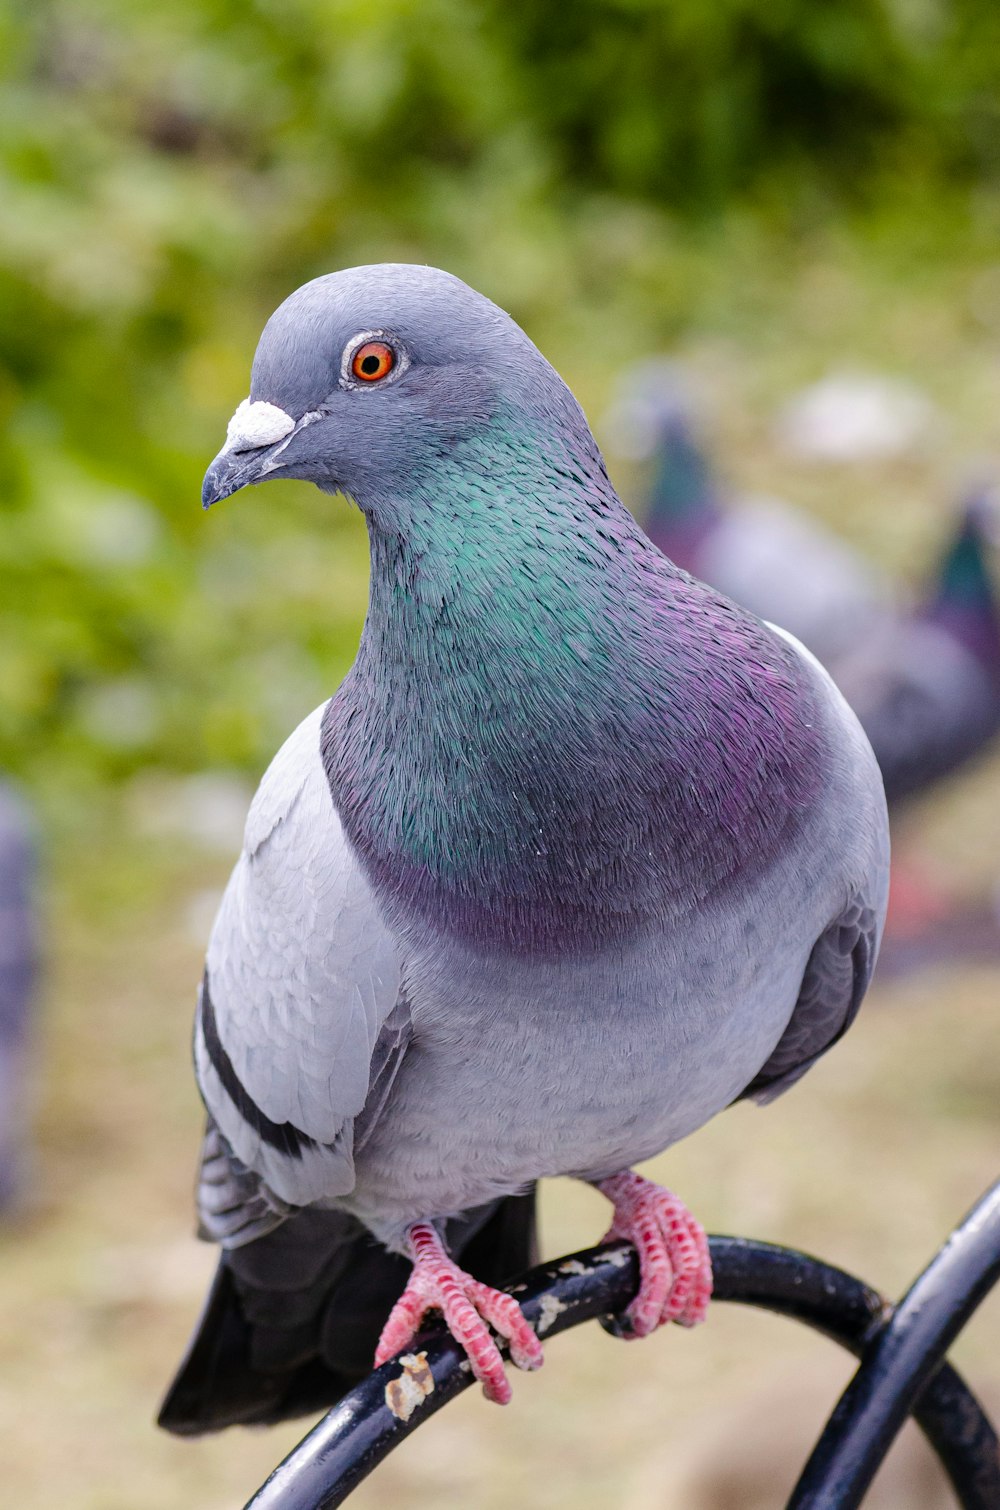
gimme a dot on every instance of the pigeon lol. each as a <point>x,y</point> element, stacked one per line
<point>578,854</point>
<point>926,685</point>
<point>18,972</point>
<point>760,551</point>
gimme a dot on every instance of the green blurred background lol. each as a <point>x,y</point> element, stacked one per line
<point>767,191</point>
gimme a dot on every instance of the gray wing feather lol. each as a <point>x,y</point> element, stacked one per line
<point>833,985</point>
<point>235,1206</point>
<point>303,973</point>
<point>390,1049</point>
<point>842,960</point>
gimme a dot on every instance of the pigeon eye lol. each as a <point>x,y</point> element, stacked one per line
<point>372,361</point>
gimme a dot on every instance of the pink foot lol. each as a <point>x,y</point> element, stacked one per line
<point>674,1262</point>
<point>437,1283</point>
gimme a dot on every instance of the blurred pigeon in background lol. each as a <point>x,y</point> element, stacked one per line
<point>926,685</point>
<point>18,971</point>
<point>924,681</point>
<point>761,552</point>
<point>579,853</point>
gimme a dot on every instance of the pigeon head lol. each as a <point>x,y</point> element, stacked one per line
<point>364,376</point>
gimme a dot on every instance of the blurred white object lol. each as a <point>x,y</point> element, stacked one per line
<point>121,713</point>
<point>209,809</point>
<point>119,530</point>
<point>200,912</point>
<point>855,417</point>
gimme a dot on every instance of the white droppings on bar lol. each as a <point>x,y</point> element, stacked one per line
<point>551,1306</point>
<point>411,1388</point>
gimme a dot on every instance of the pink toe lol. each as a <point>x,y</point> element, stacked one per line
<point>401,1327</point>
<point>437,1283</point>
<point>674,1261</point>
<point>506,1317</point>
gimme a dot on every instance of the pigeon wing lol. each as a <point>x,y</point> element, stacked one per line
<point>842,960</point>
<point>301,978</point>
<point>833,985</point>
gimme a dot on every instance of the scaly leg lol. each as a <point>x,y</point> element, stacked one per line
<point>437,1283</point>
<point>674,1262</point>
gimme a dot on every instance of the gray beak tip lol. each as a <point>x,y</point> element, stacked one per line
<point>210,490</point>
<point>226,475</point>
<point>256,435</point>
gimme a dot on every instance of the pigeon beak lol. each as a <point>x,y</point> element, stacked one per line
<point>257,434</point>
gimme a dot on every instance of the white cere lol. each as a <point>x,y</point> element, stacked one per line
<point>257,424</point>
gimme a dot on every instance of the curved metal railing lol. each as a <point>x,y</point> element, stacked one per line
<point>901,1348</point>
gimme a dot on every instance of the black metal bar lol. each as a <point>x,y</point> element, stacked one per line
<point>896,1368</point>
<point>376,1416</point>
<point>347,1444</point>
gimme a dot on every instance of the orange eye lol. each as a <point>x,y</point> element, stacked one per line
<point>372,361</point>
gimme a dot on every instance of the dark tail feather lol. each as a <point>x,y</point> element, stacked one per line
<point>292,1319</point>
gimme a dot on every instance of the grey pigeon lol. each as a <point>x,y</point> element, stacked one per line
<point>579,853</point>
<point>18,972</point>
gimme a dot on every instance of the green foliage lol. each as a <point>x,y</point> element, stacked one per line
<point>168,173</point>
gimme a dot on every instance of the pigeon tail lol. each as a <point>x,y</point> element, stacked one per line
<point>293,1319</point>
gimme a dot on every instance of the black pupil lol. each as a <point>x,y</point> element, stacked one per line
<point>370,364</point>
